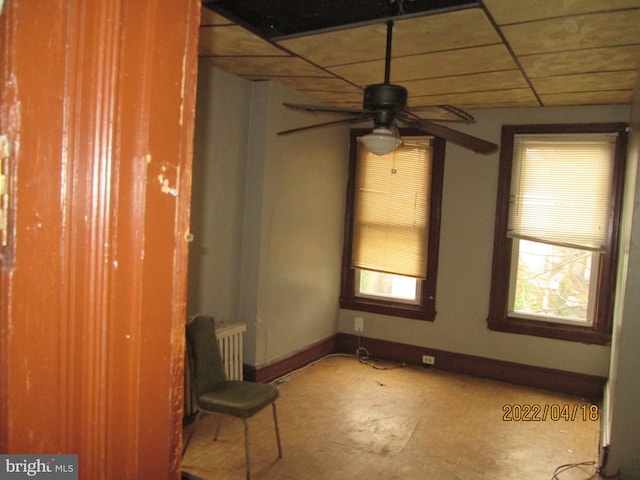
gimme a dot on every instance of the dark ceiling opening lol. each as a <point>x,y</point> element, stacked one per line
<point>280,18</point>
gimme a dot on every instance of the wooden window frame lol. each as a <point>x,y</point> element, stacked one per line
<point>425,310</point>
<point>499,319</point>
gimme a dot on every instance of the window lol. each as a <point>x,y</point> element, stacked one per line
<point>392,224</point>
<point>556,236</point>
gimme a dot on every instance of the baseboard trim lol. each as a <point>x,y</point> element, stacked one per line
<point>587,386</point>
<point>281,366</point>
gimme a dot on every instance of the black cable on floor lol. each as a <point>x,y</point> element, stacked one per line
<point>569,466</point>
<point>365,358</point>
<point>362,355</point>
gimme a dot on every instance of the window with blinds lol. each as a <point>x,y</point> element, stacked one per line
<point>390,233</point>
<point>556,242</point>
<point>559,212</point>
<point>392,225</point>
<point>561,189</point>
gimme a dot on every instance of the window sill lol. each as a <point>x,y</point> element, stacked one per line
<point>416,312</point>
<point>558,331</point>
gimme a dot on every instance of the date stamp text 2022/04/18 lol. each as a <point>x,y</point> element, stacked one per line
<point>515,412</point>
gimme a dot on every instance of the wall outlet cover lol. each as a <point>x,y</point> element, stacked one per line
<point>428,359</point>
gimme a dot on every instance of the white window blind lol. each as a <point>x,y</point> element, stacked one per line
<point>561,189</point>
<point>391,209</point>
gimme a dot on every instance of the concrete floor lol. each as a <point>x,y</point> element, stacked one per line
<point>342,419</point>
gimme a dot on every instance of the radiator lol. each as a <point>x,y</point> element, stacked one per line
<point>230,342</point>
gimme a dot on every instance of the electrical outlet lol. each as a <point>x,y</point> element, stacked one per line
<point>358,325</point>
<point>428,359</point>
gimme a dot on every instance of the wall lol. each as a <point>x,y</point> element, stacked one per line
<point>267,215</point>
<point>301,232</point>
<point>466,242</point>
<point>622,427</point>
<point>219,164</point>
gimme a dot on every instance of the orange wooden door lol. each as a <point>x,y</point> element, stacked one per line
<point>97,105</point>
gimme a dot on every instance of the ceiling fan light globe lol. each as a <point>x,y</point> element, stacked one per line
<point>381,141</point>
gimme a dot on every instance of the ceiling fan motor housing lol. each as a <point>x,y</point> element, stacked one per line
<point>384,99</point>
<point>384,96</point>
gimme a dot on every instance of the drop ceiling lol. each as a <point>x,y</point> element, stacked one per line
<point>488,54</point>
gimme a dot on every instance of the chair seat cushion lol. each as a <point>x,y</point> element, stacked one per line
<point>238,398</point>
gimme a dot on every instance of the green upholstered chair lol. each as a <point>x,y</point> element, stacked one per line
<point>214,393</point>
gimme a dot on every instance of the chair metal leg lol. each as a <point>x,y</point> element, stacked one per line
<point>275,421</point>
<point>246,447</point>
<point>218,425</point>
<point>246,437</point>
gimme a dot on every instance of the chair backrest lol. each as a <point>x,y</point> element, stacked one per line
<point>207,369</point>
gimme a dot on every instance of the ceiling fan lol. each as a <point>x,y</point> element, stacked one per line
<point>386,104</point>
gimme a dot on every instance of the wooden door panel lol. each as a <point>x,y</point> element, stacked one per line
<point>98,102</point>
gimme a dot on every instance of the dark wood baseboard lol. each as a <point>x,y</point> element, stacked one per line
<point>588,386</point>
<point>282,366</point>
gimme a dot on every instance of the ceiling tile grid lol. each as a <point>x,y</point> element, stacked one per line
<point>500,53</point>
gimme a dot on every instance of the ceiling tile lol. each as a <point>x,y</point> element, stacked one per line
<point>582,61</point>
<point>445,31</point>
<point>327,84</point>
<point>229,40</point>
<point>431,65</point>
<point>264,67</point>
<point>586,82</point>
<point>587,98</point>
<point>353,99</point>
<point>585,31</point>
<point>467,83</point>
<point>340,47</point>
<point>455,62</point>
<point>519,11</point>
<point>496,99</point>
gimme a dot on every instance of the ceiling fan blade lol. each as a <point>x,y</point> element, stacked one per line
<point>322,109</point>
<point>441,113</point>
<point>476,144</point>
<point>360,118</point>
